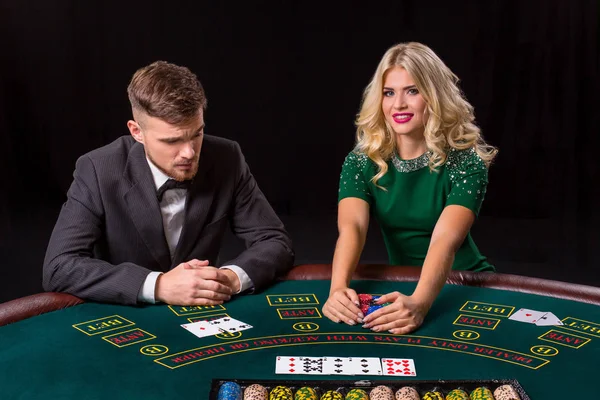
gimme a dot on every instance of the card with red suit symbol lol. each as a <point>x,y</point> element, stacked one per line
<point>398,367</point>
<point>202,328</point>
<point>527,315</point>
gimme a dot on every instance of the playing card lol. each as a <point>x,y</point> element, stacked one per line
<point>201,328</point>
<point>312,365</point>
<point>230,325</point>
<point>398,367</point>
<point>337,366</point>
<point>365,366</point>
<point>548,319</point>
<point>288,365</point>
<point>527,315</point>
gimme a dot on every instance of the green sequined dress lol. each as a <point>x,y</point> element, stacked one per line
<point>415,198</point>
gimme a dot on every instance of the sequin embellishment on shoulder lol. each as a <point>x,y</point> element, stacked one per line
<point>466,170</point>
<point>459,161</point>
<point>360,159</point>
<point>352,178</point>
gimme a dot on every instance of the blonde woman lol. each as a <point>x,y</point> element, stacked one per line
<point>420,167</point>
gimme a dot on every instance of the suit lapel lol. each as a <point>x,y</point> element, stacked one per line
<point>143,205</point>
<point>197,207</point>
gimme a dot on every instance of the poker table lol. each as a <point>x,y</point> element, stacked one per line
<point>55,346</point>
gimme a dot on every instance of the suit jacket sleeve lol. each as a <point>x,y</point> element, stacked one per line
<point>268,251</point>
<point>69,265</point>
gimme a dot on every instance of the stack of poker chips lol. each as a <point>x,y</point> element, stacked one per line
<point>506,392</point>
<point>230,391</point>
<point>306,393</point>
<point>255,392</point>
<point>357,394</point>
<point>367,303</point>
<point>281,393</point>
<point>407,393</point>
<point>382,392</point>
<point>457,394</point>
<point>482,393</point>
<point>433,395</point>
<point>332,395</point>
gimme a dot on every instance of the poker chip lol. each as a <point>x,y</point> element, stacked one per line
<point>373,308</point>
<point>482,393</point>
<point>256,392</point>
<point>357,394</point>
<point>433,395</point>
<point>367,303</point>
<point>306,393</point>
<point>281,393</point>
<point>457,394</point>
<point>364,298</point>
<point>506,392</point>
<point>230,391</point>
<point>407,393</point>
<point>332,395</point>
<point>382,392</point>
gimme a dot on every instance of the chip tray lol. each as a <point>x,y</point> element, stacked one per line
<point>344,386</point>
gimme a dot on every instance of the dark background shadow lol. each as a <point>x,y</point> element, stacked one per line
<point>285,79</point>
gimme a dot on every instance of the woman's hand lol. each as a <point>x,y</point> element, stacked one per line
<point>404,315</point>
<point>342,306</point>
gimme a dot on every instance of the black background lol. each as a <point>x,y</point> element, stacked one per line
<point>285,79</point>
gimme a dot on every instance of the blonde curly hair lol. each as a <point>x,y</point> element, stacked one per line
<point>450,123</point>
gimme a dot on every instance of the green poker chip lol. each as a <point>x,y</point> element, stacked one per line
<point>357,394</point>
<point>306,393</point>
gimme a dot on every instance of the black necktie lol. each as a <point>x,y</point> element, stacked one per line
<point>171,184</point>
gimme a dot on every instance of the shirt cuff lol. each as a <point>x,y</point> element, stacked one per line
<point>146,295</point>
<point>245,281</point>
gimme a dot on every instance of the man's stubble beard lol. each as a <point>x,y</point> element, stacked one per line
<point>173,173</point>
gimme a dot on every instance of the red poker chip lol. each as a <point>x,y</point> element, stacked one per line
<point>365,298</point>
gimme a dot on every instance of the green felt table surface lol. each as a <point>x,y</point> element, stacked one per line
<point>96,351</point>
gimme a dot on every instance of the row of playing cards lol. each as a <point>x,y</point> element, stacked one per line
<point>210,328</point>
<point>300,365</point>
<point>540,318</point>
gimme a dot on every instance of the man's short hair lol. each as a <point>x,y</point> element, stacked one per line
<point>166,91</point>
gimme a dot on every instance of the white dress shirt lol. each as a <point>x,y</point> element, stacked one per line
<point>172,208</point>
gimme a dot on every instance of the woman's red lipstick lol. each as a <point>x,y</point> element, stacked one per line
<point>402,118</point>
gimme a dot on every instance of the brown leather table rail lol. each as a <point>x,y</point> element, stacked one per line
<point>36,304</point>
<point>30,306</point>
<point>515,283</point>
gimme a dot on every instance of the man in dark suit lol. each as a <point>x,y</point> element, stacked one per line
<point>145,215</point>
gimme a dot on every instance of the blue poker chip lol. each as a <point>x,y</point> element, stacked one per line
<point>230,391</point>
<point>374,299</point>
<point>373,308</point>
